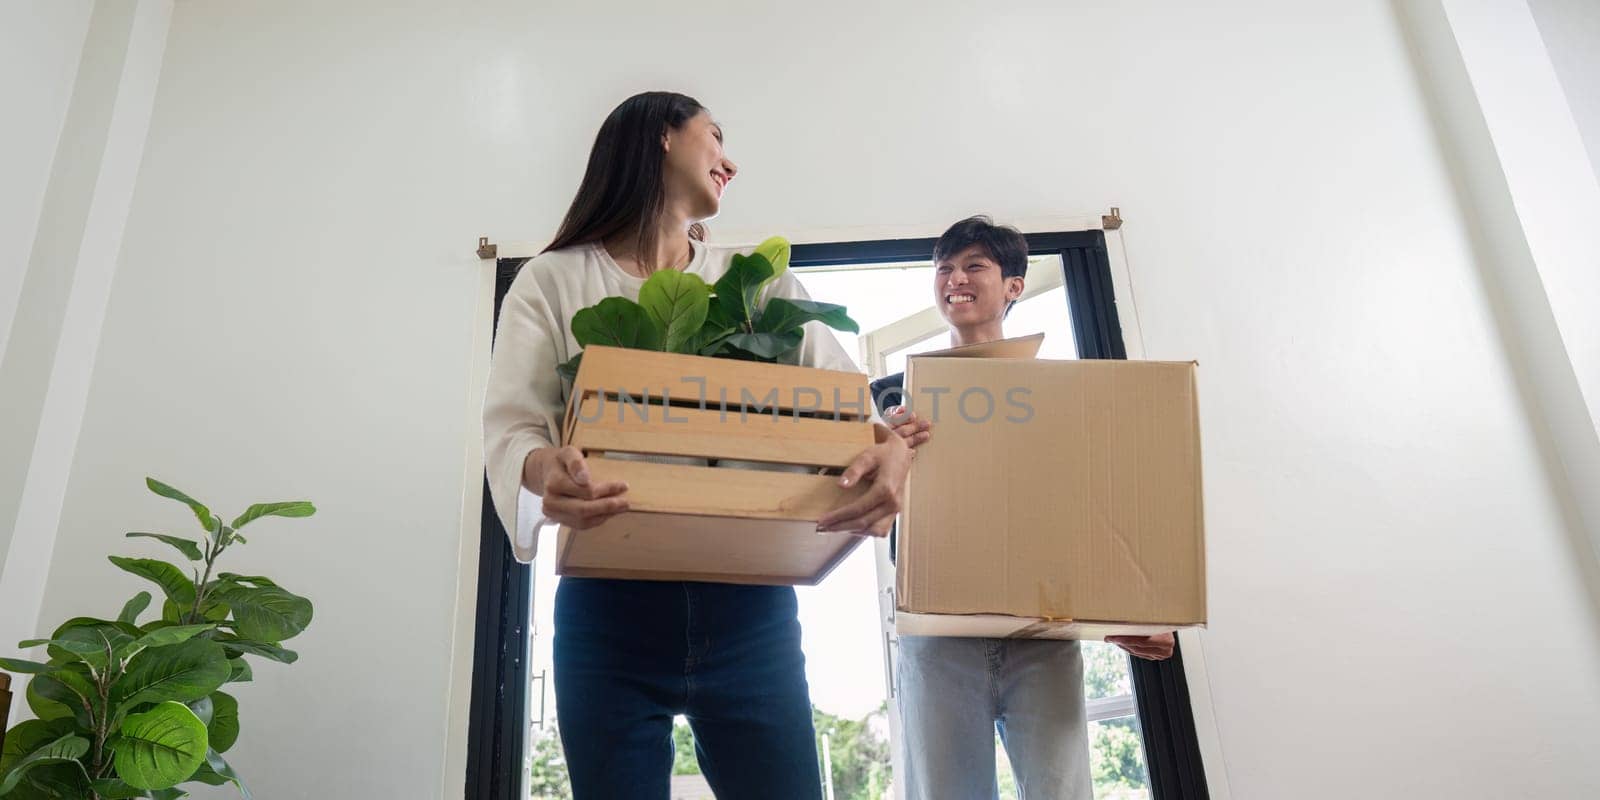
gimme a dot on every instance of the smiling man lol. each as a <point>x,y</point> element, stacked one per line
<point>955,692</point>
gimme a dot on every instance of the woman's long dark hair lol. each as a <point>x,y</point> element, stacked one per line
<point>622,189</point>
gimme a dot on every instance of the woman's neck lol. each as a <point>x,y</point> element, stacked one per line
<point>672,248</point>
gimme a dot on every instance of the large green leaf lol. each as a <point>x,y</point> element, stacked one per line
<point>181,672</point>
<point>707,343</point>
<point>91,622</point>
<point>71,687</point>
<point>678,303</point>
<point>739,287</point>
<point>209,521</point>
<point>134,607</point>
<point>718,320</point>
<point>67,749</point>
<point>113,789</point>
<point>776,251</point>
<point>95,645</point>
<point>224,725</point>
<point>188,547</point>
<point>28,736</point>
<point>782,315</point>
<point>177,586</point>
<point>162,637</point>
<point>236,646</point>
<point>25,667</point>
<point>767,346</point>
<point>160,747</point>
<point>293,508</point>
<point>234,577</point>
<point>616,322</point>
<point>60,781</point>
<point>211,611</point>
<point>84,639</point>
<point>173,634</point>
<point>43,707</point>
<point>717,327</point>
<point>266,613</point>
<point>216,771</point>
<point>241,672</point>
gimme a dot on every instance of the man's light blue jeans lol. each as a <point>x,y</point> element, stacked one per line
<point>955,692</point>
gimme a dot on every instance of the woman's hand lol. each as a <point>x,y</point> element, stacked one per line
<point>910,427</point>
<point>561,477</point>
<point>886,465</point>
<point>1150,648</point>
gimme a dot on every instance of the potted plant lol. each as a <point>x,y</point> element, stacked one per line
<point>131,709</point>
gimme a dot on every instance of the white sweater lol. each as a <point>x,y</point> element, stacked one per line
<point>526,399</point>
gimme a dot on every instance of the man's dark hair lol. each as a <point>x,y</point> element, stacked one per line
<point>1003,243</point>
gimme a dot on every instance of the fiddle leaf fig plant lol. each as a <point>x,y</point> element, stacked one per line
<point>129,709</point>
<point>678,312</point>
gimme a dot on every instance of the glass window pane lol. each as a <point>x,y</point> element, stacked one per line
<point>1116,762</point>
<point>1105,671</point>
<point>875,296</point>
<point>1047,312</point>
<point>1116,759</point>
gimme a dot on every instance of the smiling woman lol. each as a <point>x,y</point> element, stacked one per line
<point>655,146</point>
<point>623,664</point>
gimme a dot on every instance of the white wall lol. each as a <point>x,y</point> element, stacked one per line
<point>1522,162</point>
<point>49,357</point>
<point>1571,31</point>
<point>1396,610</point>
<point>40,44</point>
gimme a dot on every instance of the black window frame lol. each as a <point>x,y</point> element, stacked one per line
<point>497,722</point>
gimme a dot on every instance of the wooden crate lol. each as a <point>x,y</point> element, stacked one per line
<point>708,519</point>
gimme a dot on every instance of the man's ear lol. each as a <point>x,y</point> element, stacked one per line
<point>1014,287</point>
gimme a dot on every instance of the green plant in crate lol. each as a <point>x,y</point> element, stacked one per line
<point>678,312</point>
<point>132,710</point>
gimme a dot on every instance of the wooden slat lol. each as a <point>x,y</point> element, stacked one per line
<point>614,370</point>
<point>679,547</point>
<point>612,425</point>
<point>725,491</point>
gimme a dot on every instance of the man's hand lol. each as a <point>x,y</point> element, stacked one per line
<point>561,477</point>
<point>886,465</point>
<point>910,427</point>
<point>1150,648</point>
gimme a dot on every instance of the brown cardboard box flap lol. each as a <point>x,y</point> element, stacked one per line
<point>1019,347</point>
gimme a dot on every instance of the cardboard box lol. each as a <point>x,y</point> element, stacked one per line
<point>729,466</point>
<point>1065,505</point>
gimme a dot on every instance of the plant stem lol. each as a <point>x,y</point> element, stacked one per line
<point>102,725</point>
<point>212,551</point>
